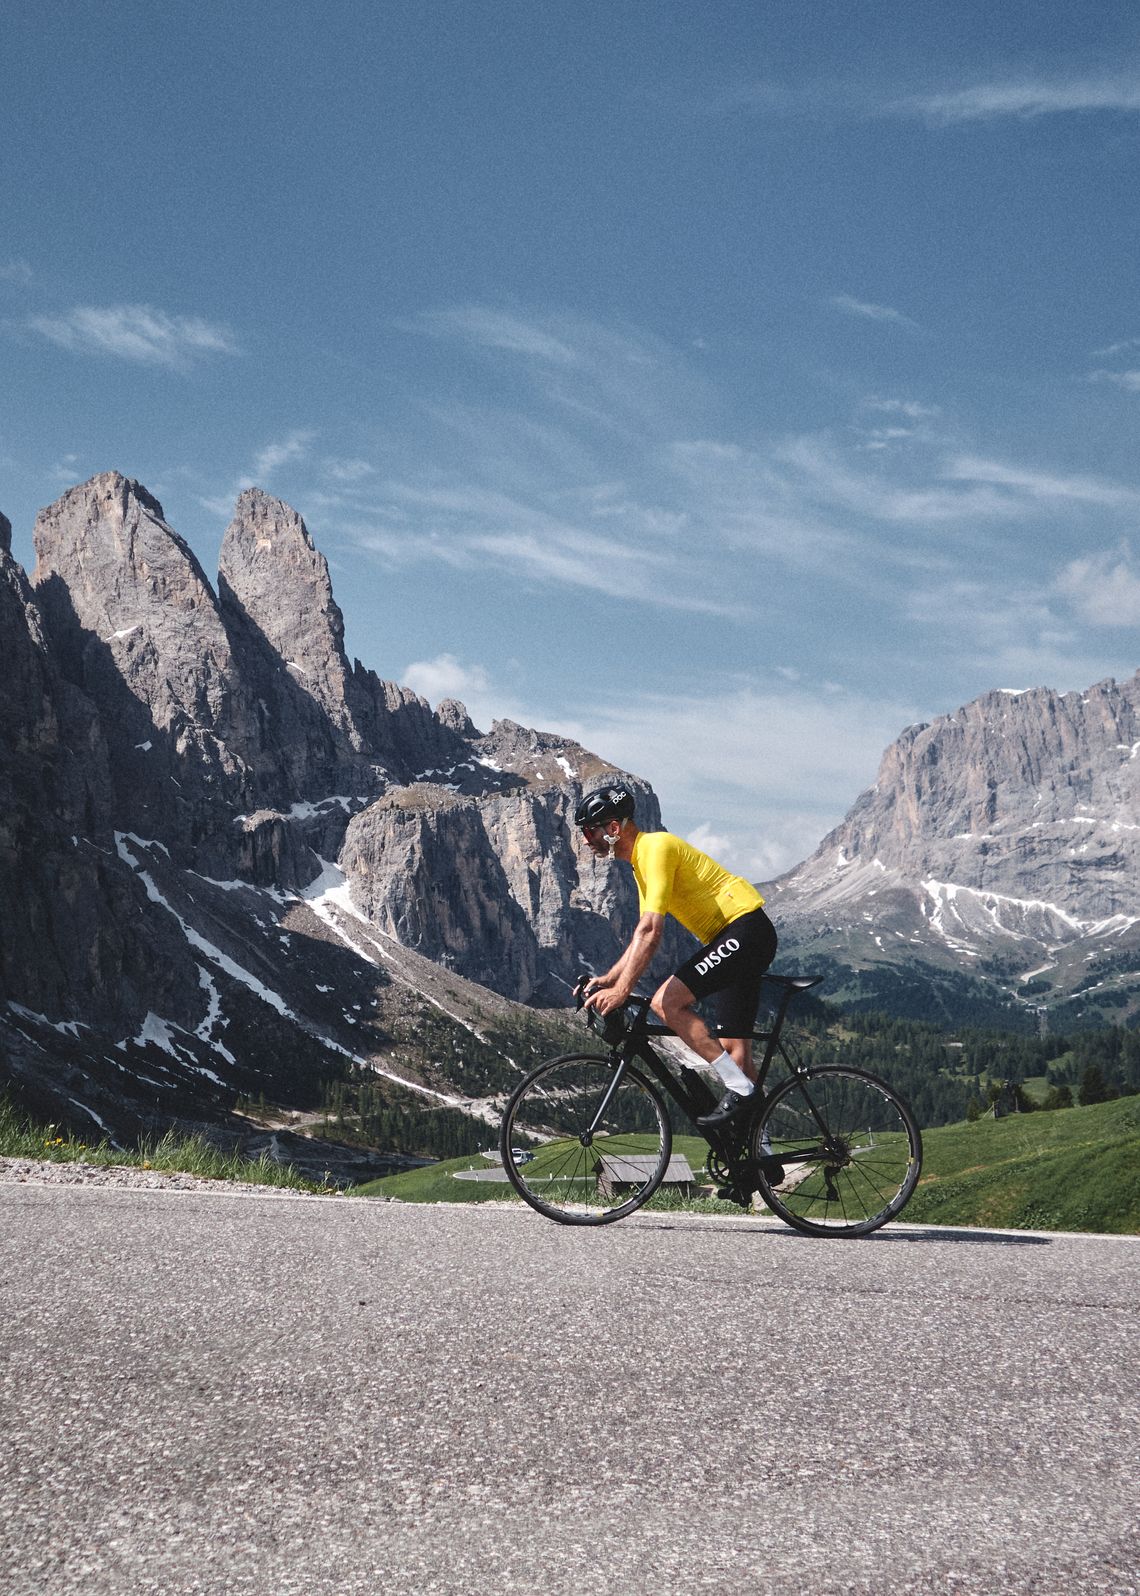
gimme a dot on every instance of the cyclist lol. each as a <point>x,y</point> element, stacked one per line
<point>726,915</point>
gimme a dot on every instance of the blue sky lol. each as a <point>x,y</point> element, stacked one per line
<point>728,386</point>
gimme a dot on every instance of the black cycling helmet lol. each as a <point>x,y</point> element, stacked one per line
<point>614,802</point>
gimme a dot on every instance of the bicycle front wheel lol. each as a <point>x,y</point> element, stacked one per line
<point>838,1152</point>
<point>581,1150</point>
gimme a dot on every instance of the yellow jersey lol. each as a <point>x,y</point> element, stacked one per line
<point>675,878</point>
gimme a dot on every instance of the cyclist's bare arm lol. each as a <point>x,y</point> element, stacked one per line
<point>610,991</point>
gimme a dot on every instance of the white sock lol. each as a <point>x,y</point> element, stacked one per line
<point>732,1075</point>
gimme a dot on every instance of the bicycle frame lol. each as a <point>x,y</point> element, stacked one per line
<point>688,1089</point>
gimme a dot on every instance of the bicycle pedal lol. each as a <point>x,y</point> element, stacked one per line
<point>733,1194</point>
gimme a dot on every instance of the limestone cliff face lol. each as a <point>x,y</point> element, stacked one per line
<point>1008,831</point>
<point>135,625</point>
<point>495,886</point>
<point>1033,795</point>
<point>337,728</point>
<point>272,576</point>
<point>62,946</point>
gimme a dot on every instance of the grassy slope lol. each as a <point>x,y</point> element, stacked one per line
<point>1076,1169</point>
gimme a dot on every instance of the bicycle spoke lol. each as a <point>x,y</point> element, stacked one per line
<point>849,1148</point>
<point>586,1165</point>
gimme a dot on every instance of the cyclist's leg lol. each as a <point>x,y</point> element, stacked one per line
<point>730,967</point>
<point>674,1002</point>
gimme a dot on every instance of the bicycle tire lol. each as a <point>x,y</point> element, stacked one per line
<point>564,1175</point>
<point>838,1152</point>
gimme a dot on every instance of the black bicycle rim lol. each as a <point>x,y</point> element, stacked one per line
<point>838,1152</point>
<point>571,1166</point>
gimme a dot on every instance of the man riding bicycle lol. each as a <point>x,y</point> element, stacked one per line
<point>726,915</point>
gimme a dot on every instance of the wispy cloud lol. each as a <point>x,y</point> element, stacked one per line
<point>137,333</point>
<point>347,471</point>
<point>1104,588</point>
<point>870,312</point>
<point>884,513</point>
<point>16,271</point>
<point>1044,486</point>
<point>270,459</point>
<point>1128,378</point>
<point>1123,346</point>
<point>1027,98</point>
<point>836,480</point>
<point>466,526</point>
<point>910,408</point>
<point>498,329</point>
<point>612,378</point>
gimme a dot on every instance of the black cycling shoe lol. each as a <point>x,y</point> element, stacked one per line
<point>730,1105</point>
<point>733,1194</point>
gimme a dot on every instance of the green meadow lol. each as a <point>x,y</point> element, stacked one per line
<point>1073,1169</point>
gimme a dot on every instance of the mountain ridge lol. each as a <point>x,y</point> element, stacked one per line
<point>1000,847</point>
<point>181,770</point>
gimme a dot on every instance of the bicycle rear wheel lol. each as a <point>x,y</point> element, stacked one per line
<point>838,1152</point>
<point>573,1161</point>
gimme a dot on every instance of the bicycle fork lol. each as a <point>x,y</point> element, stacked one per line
<point>586,1137</point>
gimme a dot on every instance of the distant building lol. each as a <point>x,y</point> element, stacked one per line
<point>616,1174</point>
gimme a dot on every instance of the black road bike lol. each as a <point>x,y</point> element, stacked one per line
<point>587,1138</point>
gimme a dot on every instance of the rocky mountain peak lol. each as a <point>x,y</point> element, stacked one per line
<point>1005,834</point>
<point>5,535</point>
<point>452,714</point>
<point>271,568</point>
<point>274,584</point>
<point>133,621</point>
<point>107,543</point>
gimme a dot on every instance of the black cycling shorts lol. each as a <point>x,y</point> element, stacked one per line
<point>731,966</point>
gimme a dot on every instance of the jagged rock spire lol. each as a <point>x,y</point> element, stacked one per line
<point>272,574</point>
<point>117,583</point>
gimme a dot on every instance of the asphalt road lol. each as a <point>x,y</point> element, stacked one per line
<point>207,1394</point>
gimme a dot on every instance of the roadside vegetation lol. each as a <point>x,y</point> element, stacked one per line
<point>1068,1171</point>
<point>21,1137</point>
<point>1077,1170</point>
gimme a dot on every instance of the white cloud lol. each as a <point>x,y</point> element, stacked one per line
<point>709,841</point>
<point>275,455</point>
<point>859,307</point>
<point>136,332</point>
<point>16,271</point>
<point>1104,589</point>
<point>445,677</point>
<point>1027,98</point>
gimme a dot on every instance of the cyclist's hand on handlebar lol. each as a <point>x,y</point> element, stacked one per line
<point>603,1000</point>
